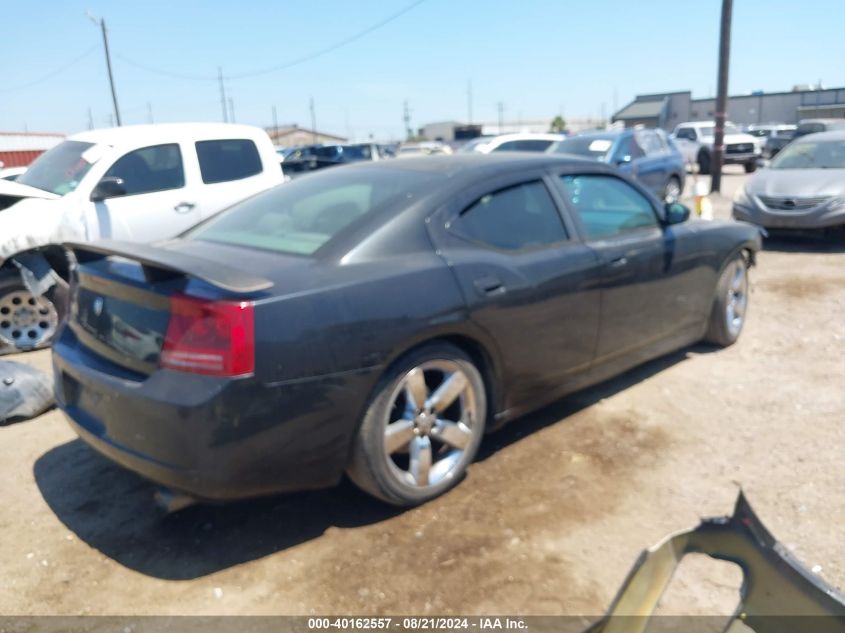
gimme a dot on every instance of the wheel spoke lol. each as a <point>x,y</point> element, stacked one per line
<point>736,284</point>
<point>455,434</point>
<point>446,393</point>
<point>415,388</point>
<point>420,454</point>
<point>397,435</point>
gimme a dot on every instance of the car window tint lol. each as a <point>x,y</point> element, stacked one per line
<point>608,205</point>
<point>149,169</point>
<point>628,148</point>
<point>685,132</point>
<point>518,217</point>
<point>300,216</point>
<point>649,142</point>
<point>229,159</point>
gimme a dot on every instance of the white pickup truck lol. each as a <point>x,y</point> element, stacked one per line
<point>695,142</point>
<point>142,183</point>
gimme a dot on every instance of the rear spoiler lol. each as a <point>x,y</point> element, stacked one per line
<point>160,263</point>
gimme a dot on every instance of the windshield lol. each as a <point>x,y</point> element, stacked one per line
<point>710,130</point>
<point>299,217</point>
<point>583,146</point>
<point>824,155</point>
<point>60,169</point>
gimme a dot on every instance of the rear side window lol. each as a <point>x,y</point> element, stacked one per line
<point>685,132</point>
<point>228,159</point>
<point>608,205</point>
<point>150,169</point>
<point>515,218</point>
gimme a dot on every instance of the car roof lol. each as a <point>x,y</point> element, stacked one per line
<point>603,134</point>
<point>525,136</point>
<point>142,135</point>
<point>702,124</point>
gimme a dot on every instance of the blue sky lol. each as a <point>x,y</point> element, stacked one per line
<point>536,56</point>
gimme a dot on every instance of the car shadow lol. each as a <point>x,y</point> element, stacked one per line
<point>112,510</point>
<point>805,242</point>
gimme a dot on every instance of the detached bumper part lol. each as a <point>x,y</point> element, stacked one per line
<point>25,392</point>
<point>778,594</point>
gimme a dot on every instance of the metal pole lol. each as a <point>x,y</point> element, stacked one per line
<point>275,126</point>
<point>231,110</point>
<point>721,96</point>
<point>501,108</point>
<point>108,67</point>
<point>469,102</point>
<point>313,121</point>
<point>222,95</point>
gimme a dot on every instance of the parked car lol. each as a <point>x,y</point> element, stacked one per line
<point>11,173</point>
<point>140,183</point>
<point>803,187</point>
<point>695,140</point>
<point>377,319</point>
<point>646,155</point>
<point>313,157</point>
<point>762,133</point>
<point>776,142</point>
<point>423,148</point>
<point>805,126</point>
<point>524,142</point>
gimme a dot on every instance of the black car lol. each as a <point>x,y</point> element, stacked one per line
<point>312,157</point>
<point>377,319</point>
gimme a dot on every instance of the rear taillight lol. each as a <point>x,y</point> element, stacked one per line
<point>210,337</point>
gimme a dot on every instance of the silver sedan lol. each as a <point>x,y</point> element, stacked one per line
<point>803,188</point>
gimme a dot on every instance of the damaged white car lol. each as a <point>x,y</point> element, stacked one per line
<point>142,183</point>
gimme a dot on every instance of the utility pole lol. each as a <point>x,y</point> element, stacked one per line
<point>406,117</point>
<point>469,102</point>
<point>149,112</point>
<point>501,108</point>
<point>231,110</point>
<point>222,94</point>
<point>102,24</point>
<point>313,120</point>
<point>90,119</point>
<point>721,96</point>
<point>275,126</point>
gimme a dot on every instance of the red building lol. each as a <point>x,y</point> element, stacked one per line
<point>19,149</point>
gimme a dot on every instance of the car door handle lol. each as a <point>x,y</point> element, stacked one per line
<point>619,262</point>
<point>489,285</point>
<point>184,207</point>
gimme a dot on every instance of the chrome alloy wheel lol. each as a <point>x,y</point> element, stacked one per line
<point>737,296</point>
<point>431,423</point>
<point>25,321</point>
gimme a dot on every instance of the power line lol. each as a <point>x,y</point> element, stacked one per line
<point>285,65</point>
<point>53,73</point>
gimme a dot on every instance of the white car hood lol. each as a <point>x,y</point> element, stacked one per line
<point>19,190</point>
<point>32,222</point>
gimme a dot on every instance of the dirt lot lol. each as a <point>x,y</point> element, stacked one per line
<point>550,519</point>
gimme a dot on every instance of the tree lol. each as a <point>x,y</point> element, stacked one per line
<point>558,125</point>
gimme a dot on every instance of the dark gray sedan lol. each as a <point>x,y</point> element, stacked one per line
<point>803,188</point>
<point>377,319</point>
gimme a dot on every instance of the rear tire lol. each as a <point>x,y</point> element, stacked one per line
<point>408,452</point>
<point>727,317</point>
<point>751,167</point>
<point>26,322</point>
<point>704,163</point>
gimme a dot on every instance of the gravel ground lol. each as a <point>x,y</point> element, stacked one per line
<point>549,521</point>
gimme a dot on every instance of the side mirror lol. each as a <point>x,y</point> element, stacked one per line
<point>762,163</point>
<point>676,213</point>
<point>622,160</point>
<point>108,187</point>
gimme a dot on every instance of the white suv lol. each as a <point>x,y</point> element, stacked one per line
<point>141,183</point>
<point>695,141</point>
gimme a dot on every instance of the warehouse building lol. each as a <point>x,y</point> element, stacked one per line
<point>293,135</point>
<point>668,109</point>
<point>19,149</point>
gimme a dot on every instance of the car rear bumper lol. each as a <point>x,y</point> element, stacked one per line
<point>211,438</point>
<point>818,218</point>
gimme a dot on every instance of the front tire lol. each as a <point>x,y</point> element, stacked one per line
<point>751,167</point>
<point>730,304</point>
<point>26,322</point>
<point>704,163</point>
<point>422,428</point>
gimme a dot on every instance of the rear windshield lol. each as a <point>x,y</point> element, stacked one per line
<point>299,217</point>
<point>591,147</point>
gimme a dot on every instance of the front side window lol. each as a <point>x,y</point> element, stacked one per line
<point>650,142</point>
<point>685,133</point>
<point>149,169</point>
<point>60,169</point>
<point>228,159</point>
<point>523,216</point>
<point>608,205</point>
